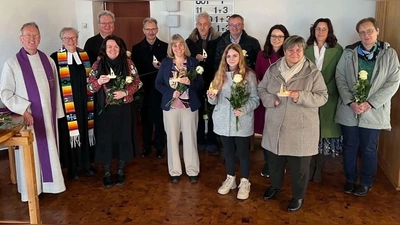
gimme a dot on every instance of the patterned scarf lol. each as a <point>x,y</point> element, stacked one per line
<point>69,101</point>
<point>368,55</point>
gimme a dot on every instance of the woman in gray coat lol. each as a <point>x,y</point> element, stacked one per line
<point>381,64</point>
<point>235,137</point>
<point>291,91</point>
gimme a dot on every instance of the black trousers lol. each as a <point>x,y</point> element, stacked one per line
<point>152,120</point>
<point>299,172</point>
<point>239,145</point>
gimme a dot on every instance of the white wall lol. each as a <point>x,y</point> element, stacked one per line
<point>260,15</point>
<point>50,15</point>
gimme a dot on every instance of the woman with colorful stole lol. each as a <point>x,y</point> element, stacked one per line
<point>324,51</point>
<point>76,137</point>
<point>115,79</point>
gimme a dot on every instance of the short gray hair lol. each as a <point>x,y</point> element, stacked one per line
<point>150,20</point>
<point>66,29</point>
<point>33,24</point>
<point>205,15</point>
<point>105,13</point>
<point>294,40</point>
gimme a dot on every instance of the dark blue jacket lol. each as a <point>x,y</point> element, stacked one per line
<point>162,83</point>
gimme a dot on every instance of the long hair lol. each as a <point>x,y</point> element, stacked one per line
<point>331,39</point>
<point>220,75</point>
<point>268,48</point>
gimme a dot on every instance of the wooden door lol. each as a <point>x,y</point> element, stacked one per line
<point>387,15</point>
<point>129,18</point>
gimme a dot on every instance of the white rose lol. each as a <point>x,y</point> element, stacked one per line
<point>237,78</point>
<point>199,69</point>
<point>244,53</point>
<point>128,79</point>
<point>363,75</point>
<point>128,53</point>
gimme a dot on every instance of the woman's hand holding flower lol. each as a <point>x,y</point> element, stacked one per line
<point>238,112</point>
<point>103,79</point>
<point>176,94</point>
<point>119,94</point>
<point>294,95</point>
<point>357,108</point>
<point>184,80</point>
<point>211,94</point>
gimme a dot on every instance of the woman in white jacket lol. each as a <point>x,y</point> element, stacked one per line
<point>235,137</point>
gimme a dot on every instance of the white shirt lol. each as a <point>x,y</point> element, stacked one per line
<point>319,55</point>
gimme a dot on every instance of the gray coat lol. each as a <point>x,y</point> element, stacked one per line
<point>385,82</point>
<point>292,129</point>
<point>223,115</point>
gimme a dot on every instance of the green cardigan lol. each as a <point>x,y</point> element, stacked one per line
<point>329,129</point>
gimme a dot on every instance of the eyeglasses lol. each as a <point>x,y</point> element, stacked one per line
<point>322,30</point>
<point>69,38</point>
<point>150,29</point>
<point>28,36</point>
<point>235,25</point>
<point>279,37</point>
<point>369,32</point>
<point>105,24</point>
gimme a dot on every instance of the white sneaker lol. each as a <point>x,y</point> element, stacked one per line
<point>227,185</point>
<point>244,189</point>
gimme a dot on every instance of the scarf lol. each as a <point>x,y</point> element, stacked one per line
<point>120,67</point>
<point>65,78</point>
<point>368,55</point>
<point>37,109</point>
<point>288,72</point>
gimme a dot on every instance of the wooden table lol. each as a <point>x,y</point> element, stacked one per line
<point>17,135</point>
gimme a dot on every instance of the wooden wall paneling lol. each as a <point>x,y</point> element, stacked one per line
<point>389,151</point>
<point>129,18</point>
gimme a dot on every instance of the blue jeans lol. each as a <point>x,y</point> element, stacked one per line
<point>364,141</point>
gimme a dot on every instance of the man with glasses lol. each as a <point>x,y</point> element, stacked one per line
<point>29,87</point>
<point>237,34</point>
<point>147,56</point>
<point>106,21</point>
<point>376,63</point>
<point>202,43</point>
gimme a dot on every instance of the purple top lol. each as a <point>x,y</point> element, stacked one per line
<point>262,64</point>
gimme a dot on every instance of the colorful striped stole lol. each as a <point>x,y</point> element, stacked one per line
<point>69,100</point>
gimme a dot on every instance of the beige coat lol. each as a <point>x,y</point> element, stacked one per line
<point>292,129</point>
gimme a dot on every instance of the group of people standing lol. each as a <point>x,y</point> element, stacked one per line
<point>300,98</point>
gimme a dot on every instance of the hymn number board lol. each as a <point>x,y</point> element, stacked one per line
<point>219,11</point>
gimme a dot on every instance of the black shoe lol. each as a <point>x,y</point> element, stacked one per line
<point>270,193</point>
<point>120,178</point>
<point>193,179</point>
<point>361,191</point>
<point>160,154</point>
<point>107,180</point>
<point>295,204</point>
<point>265,170</point>
<point>201,147</point>
<point>349,188</point>
<point>213,150</point>
<point>175,179</point>
<point>89,172</point>
<point>145,153</point>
